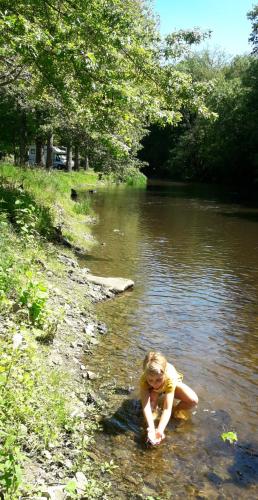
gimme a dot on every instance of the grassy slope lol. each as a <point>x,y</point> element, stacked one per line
<point>50,193</point>
<point>34,405</point>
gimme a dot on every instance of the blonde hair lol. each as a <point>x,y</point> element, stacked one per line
<point>155,362</point>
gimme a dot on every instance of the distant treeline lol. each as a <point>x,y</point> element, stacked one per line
<point>223,150</point>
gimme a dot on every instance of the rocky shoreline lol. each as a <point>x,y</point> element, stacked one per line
<point>49,471</point>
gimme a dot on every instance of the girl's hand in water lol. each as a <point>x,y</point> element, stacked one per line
<point>159,436</point>
<point>151,437</point>
<point>154,436</point>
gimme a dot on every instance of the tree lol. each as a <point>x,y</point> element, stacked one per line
<point>101,61</point>
<point>253,17</point>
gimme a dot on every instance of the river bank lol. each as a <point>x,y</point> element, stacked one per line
<point>49,410</point>
<point>67,469</point>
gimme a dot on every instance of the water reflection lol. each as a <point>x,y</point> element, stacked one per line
<point>195,265</point>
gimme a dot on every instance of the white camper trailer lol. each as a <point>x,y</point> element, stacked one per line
<point>59,156</point>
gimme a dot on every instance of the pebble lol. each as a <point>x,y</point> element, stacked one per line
<point>89,329</point>
<point>94,341</point>
<point>102,328</point>
<point>81,482</point>
<point>54,492</point>
<point>68,463</point>
<point>91,375</point>
<point>47,454</point>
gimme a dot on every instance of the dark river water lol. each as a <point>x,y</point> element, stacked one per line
<point>193,255</point>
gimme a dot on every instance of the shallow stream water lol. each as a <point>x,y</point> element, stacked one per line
<point>193,255</point>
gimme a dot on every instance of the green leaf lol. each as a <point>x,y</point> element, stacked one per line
<point>71,486</point>
<point>229,436</point>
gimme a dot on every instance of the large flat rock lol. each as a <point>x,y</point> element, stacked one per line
<point>116,285</point>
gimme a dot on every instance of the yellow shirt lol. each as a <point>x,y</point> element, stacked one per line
<point>172,377</point>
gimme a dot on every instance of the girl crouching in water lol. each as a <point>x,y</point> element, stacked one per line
<point>160,377</point>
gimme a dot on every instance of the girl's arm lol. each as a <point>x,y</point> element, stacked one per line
<point>147,411</point>
<point>166,414</point>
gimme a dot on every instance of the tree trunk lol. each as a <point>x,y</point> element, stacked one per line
<point>49,162</point>
<point>23,139</point>
<point>76,158</point>
<point>39,152</point>
<point>69,158</point>
<point>16,155</point>
<point>86,164</point>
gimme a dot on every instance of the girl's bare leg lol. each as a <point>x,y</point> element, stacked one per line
<point>188,398</point>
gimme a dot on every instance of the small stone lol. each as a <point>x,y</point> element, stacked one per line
<point>77,413</point>
<point>89,329</point>
<point>79,344</point>
<point>68,463</point>
<point>91,399</point>
<point>83,367</point>
<point>94,341</point>
<point>67,260</point>
<point>81,480</point>
<point>47,454</point>
<point>91,375</point>
<point>60,474</point>
<point>102,328</point>
<point>54,493</point>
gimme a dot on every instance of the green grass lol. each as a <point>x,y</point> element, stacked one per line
<point>135,178</point>
<point>40,201</point>
<point>82,207</point>
<point>33,408</point>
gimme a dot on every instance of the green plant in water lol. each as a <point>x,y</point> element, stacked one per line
<point>229,436</point>
<point>108,467</point>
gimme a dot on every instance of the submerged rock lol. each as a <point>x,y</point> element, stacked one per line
<point>102,328</point>
<point>116,285</point>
